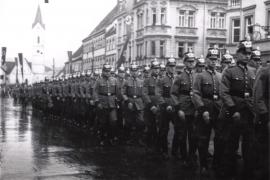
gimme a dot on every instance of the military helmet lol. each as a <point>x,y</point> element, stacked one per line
<point>171,62</point>
<point>96,73</point>
<point>226,58</point>
<point>146,68</point>
<point>256,54</point>
<point>134,67</point>
<point>200,61</point>
<point>155,64</point>
<point>121,69</point>
<point>106,67</point>
<point>189,56</point>
<point>212,54</point>
<point>245,46</point>
<point>162,67</point>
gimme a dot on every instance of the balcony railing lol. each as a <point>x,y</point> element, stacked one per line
<point>157,30</point>
<point>216,33</point>
<point>186,31</point>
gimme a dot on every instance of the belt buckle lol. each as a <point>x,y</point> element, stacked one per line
<point>109,94</point>
<point>134,96</point>
<point>191,93</point>
<point>247,95</point>
<point>215,97</point>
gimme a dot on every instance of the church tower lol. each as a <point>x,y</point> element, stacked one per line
<point>38,61</point>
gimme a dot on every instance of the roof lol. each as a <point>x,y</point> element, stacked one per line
<point>47,69</point>
<point>78,52</point>
<point>38,19</point>
<point>111,32</point>
<point>106,21</point>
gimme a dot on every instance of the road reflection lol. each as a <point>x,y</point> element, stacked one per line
<point>32,147</point>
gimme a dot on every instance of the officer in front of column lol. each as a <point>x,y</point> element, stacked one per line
<point>237,111</point>
<point>105,95</point>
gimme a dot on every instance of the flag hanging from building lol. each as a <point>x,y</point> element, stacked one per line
<point>69,60</point>
<point>128,22</point>
<point>21,63</point>
<point>3,58</point>
<point>17,66</point>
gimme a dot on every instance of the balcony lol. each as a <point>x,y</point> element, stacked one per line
<point>139,33</point>
<point>219,34</point>
<point>157,30</point>
<point>186,31</point>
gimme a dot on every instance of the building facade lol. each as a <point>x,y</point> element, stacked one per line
<point>249,17</point>
<point>159,29</point>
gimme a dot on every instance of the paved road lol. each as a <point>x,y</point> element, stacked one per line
<point>33,148</point>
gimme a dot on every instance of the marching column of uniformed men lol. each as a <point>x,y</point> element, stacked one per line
<point>231,100</point>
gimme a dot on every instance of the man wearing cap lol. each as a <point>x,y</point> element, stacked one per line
<point>133,95</point>
<point>262,121</point>
<point>146,72</point>
<point>208,103</point>
<point>184,122</point>
<point>167,109</point>
<point>120,112</point>
<point>162,72</point>
<point>237,111</point>
<point>200,65</point>
<point>105,94</point>
<point>255,62</point>
<point>226,60</point>
<point>153,100</point>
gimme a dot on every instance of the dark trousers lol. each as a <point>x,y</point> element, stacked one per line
<point>107,118</point>
<point>184,131</point>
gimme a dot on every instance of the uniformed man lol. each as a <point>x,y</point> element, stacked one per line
<point>146,72</point>
<point>105,95</point>
<point>184,123</point>
<point>133,95</point>
<point>167,108</point>
<point>200,64</point>
<point>255,61</point>
<point>226,60</point>
<point>261,106</point>
<point>206,98</point>
<point>162,72</point>
<point>153,100</point>
<point>237,110</point>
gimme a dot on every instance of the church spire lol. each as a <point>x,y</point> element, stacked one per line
<point>38,19</point>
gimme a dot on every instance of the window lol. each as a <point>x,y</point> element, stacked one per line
<point>38,39</point>
<point>154,16</point>
<point>140,21</point>
<point>190,46</point>
<point>235,3</point>
<point>119,29</point>
<point>191,18</point>
<point>217,20</point>
<point>248,25</point>
<point>180,49</point>
<point>162,48</point>
<point>145,51</point>
<point>153,48</point>
<point>268,18</point>
<point>182,18</point>
<point>186,18</point>
<point>213,20</point>
<point>147,16</point>
<point>163,16</point>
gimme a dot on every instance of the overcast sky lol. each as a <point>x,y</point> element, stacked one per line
<point>67,23</point>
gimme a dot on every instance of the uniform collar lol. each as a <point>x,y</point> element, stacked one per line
<point>188,71</point>
<point>211,71</point>
<point>171,76</point>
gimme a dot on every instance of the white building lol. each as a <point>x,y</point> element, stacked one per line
<point>38,49</point>
<point>249,17</point>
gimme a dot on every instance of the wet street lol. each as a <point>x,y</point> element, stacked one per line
<point>34,148</point>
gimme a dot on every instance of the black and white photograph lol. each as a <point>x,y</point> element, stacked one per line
<point>134,89</point>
